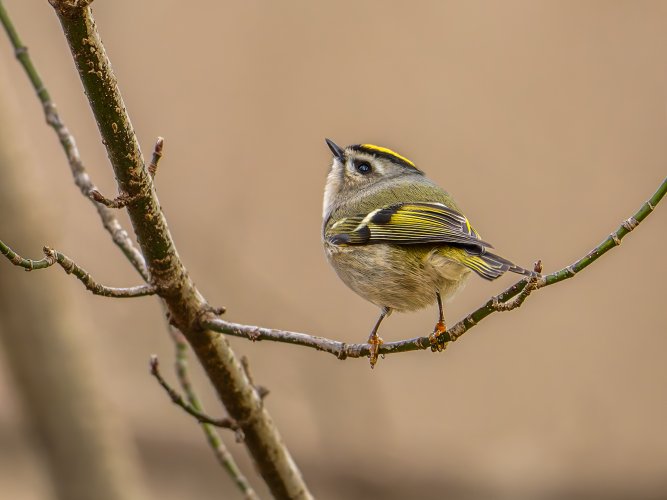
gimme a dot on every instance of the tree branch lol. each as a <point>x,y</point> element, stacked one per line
<point>52,256</point>
<point>499,303</point>
<point>81,177</point>
<point>215,442</point>
<point>184,302</point>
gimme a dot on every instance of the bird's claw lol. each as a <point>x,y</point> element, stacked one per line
<point>375,342</point>
<point>433,338</point>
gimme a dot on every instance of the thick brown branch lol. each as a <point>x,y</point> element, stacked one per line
<point>167,272</point>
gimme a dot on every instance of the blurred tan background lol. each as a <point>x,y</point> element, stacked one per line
<point>547,121</point>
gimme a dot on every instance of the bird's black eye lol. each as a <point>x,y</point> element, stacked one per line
<point>363,167</point>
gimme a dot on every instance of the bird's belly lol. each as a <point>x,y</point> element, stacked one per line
<point>398,277</point>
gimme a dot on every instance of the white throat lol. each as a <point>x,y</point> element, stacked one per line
<point>331,188</point>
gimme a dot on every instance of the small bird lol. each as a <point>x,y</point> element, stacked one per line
<point>396,238</point>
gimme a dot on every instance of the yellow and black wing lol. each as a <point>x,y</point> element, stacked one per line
<point>406,224</point>
<point>422,223</point>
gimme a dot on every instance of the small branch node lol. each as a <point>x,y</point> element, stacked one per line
<point>214,310</point>
<point>650,206</point>
<point>50,254</point>
<point>19,51</point>
<point>570,270</point>
<point>454,332</point>
<point>537,267</point>
<point>157,154</point>
<point>630,223</point>
<point>120,201</point>
<point>615,239</point>
<point>254,334</point>
<point>53,118</point>
<point>342,353</point>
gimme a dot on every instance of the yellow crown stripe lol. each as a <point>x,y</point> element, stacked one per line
<point>388,151</point>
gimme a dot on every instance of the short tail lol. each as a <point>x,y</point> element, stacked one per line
<point>491,266</point>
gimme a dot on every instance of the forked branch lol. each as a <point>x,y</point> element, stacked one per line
<point>79,173</point>
<point>52,257</point>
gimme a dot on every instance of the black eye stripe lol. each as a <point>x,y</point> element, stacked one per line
<point>363,167</point>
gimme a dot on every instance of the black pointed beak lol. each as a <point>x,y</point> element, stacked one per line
<point>336,149</point>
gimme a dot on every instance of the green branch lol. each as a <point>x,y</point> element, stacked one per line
<point>613,240</point>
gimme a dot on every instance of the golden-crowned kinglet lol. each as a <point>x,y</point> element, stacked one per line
<point>396,238</point>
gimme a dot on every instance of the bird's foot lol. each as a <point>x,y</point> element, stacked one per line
<point>436,344</point>
<point>375,342</point>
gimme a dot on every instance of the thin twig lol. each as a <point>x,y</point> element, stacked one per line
<point>52,257</point>
<point>81,178</point>
<point>222,454</point>
<point>177,399</point>
<point>520,290</point>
